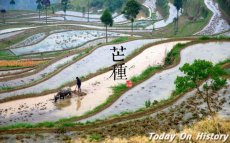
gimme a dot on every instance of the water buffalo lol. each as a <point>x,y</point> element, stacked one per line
<point>63,93</point>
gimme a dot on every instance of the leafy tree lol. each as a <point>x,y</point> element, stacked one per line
<point>88,9</point>
<point>131,11</point>
<point>178,4</point>
<point>197,72</point>
<point>53,9</point>
<point>46,4</point>
<point>39,8</point>
<point>107,19</point>
<point>12,2</point>
<point>154,19</point>
<point>83,11</point>
<point>64,4</point>
<point>3,11</point>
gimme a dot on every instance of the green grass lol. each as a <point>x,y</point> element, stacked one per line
<point>162,6</point>
<point>191,27</point>
<point>220,37</point>
<point>95,137</point>
<point>7,55</point>
<point>8,42</point>
<point>119,40</point>
<point>224,62</point>
<point>6,88</point>
<point>186,27</point>
<point>146,73</point>
<point>174,54</point>
<point>16,126</point>
<point>28,125</point>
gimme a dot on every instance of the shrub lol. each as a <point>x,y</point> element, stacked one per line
<point>147,103</point>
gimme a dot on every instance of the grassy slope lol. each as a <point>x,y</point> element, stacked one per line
<point>225,9</point>
<point>163,9</point>
<point>205,125</point>
<point>186,27</point>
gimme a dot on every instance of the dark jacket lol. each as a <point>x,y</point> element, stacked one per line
<point>78,81</point>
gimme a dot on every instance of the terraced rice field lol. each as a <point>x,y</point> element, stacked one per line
<point>39,60</point>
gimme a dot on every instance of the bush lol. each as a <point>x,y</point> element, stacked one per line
<point>204,38</point>
<point>173,54</point>
<point>147,103</point>
<point>95,137</point>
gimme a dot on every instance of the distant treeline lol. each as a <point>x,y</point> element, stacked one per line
<point>112,5</point>
<point>225,7</point>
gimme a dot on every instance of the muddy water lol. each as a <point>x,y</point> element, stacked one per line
<point>97,91</point>
<point>161,85</point>
<point>100,58</point>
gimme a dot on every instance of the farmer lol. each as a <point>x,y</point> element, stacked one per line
<point>78,81</point>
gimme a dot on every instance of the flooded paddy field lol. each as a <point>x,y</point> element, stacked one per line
<point>63,41</point>
<point>161,85</point>
<point>97,91</point>
<point>100,58</point>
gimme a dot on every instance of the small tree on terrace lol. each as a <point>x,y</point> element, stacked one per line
<point>12,2</point>
<point>46,4</point>
<point>3,12</point>
<point>64,4</point>
<point>39,8</point>
<point>178,4</point>
<point>131,11</point>
<point>83,11</point>
<point>197,72</point>
<point>107,19</point>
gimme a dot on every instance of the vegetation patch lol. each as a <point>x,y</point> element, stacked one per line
<point>120,40</point>
<point>19,63</point>
<point>163,8</point>
<point>225,7</point>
